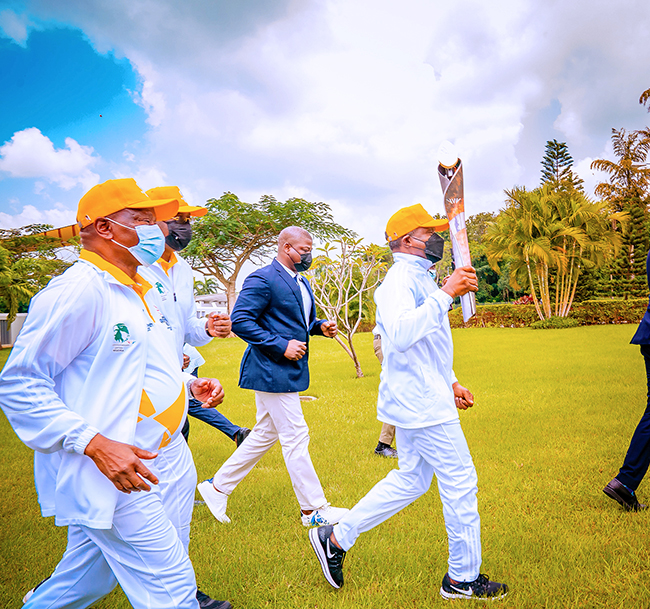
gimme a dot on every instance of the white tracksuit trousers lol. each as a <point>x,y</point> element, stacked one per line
<point>441,450</point>
<point>279,417</point>
<point>145,551</point>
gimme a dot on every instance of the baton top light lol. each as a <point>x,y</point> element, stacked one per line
<point>174,192</point>
<point>447,155</point>
<point>114,195</point>
<point>407,219</point>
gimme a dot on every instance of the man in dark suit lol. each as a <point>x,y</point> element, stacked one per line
<point>275,314</point>
<point>623,487</point>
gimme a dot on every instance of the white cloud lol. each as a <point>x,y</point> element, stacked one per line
<point>146,177</point>
<point>347,100</point>
<point>57,217</point>
<point>30,154</point>
<point>15,26</point>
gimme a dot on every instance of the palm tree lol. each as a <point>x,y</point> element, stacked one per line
<point>546,230</point>
<point>207,286</point>
<point>521,234</point>
<point>629,177</point>
<point>645,96</point>
<point>627,191</point>
<point>590,241</point>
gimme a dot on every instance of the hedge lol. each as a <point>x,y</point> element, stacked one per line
<point>588,312</point>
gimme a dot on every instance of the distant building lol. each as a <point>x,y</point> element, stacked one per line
<point>8,336</point>
<point>207,303</point>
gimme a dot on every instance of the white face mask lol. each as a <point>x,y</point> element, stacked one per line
<point>151,242</point>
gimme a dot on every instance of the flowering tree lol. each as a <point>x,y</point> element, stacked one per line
<point>343,279</point>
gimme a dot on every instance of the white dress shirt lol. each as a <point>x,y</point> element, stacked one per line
<point>304,291</point>
<point>417,376</point>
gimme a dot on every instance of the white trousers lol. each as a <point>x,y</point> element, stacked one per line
<point>279,417</point>
<point>441,450</point>
<point>145,551</point>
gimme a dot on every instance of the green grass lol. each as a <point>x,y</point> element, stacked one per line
<point>554,414</point>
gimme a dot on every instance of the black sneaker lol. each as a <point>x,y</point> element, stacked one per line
<point>386,450</point>
<point>240,435</point>
<point>619,492</point>
<point>329,556</point>
<point>480,588</point>
<point>205,602</point>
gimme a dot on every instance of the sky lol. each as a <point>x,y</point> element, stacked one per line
<point>341,101</point>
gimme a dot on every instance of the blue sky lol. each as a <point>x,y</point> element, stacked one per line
<point>342,101</point>
<point>57,83</point>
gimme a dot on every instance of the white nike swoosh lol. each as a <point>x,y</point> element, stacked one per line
<point>327,550</point>
<point>465,592</point>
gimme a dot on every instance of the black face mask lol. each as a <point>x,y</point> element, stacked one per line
<point>434,247</point>
<point>179,236</point>
<point>305,260</point>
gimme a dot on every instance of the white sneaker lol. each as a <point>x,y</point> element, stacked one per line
<point>326,514</point>
<point>31,592</point>
<point>215,500</point>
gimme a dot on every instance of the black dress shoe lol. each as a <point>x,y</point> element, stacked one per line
<point>241,435</point>
<point>619,492</point>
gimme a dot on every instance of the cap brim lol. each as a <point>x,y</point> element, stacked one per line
<point>195,212</point>
<point>438,225</point>
<point>165,209</point>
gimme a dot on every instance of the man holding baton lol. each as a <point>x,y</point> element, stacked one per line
<point>419,394</point>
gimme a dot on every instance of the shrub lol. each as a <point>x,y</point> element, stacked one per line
<point>555,323</point>
<point>587,313</point>
<point>606,311</point>
<point>496,316</point>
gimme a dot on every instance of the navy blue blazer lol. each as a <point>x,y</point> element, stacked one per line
<point>267,315</point>
<point>642,334</point>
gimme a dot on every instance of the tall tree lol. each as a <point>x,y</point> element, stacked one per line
<point>627,191</point>
<point>234,231</point>
<point>557,166</point>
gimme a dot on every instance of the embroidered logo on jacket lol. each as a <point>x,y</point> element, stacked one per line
<point>121,337</point>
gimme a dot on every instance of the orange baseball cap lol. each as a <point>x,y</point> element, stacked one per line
<point>165,192</point>
<point>115,195</point>
<point>409,218</point>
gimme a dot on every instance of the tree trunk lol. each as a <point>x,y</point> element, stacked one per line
<point>352,353</point>
<point>231,294</point>
<point>532,290</point>
<point>542,279</point>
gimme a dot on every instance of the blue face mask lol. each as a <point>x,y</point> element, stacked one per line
<point>151,243</point>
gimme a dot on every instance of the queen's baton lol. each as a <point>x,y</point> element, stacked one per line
<point>450,172</point>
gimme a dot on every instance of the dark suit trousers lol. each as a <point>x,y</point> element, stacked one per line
<point>637,458</point>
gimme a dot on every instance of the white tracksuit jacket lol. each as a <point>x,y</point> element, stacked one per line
<point>77,369</point>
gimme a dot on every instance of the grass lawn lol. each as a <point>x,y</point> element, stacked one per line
<point>554,413</point>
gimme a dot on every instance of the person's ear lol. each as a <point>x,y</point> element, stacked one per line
<point>104,228</point>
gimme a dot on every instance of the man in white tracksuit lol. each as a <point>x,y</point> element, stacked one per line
<point>173,277</point>
<point>419,394</point>
<point>93,381</point>
<point>176,277</point>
